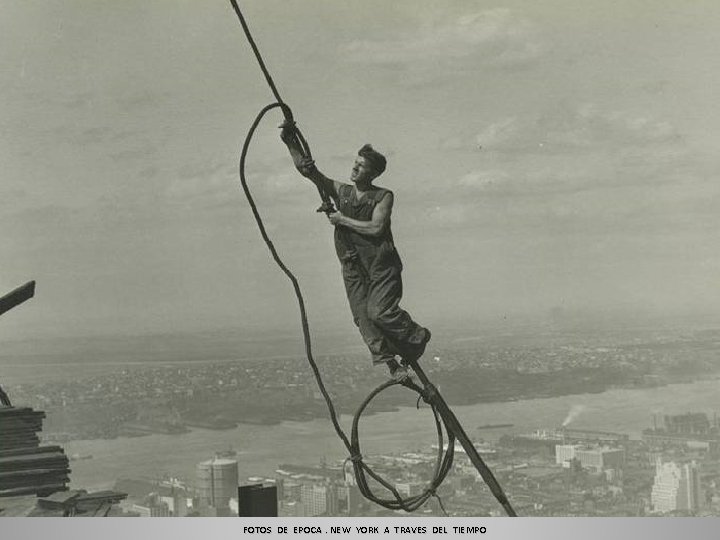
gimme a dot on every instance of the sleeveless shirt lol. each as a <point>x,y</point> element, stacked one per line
<point>350,244</point>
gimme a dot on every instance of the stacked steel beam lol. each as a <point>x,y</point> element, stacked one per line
<point>79,503</point>
<point>26,468</point>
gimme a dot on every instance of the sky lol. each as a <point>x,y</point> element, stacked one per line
<point>547,158</point>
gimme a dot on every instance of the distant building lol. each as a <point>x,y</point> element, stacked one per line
<point>319,499</point>
<point>217,483</point>
<point>174,494</point>
<point>291,490</point>
<point>176,500</point>
<point>217,511</point>
<point>599,459</point>
<point>350,500</point>
<point>613,475</point>
<point>688,424</point>
<point>589,435</point>
<point>303,471</point>
<point>676,487</point>
<point>532,443</point>
<point>256,500</point>
<point>292,509</point>
<point>152,506</point>
<point>693,431</point>
<point>409,489</point>
<point>280,485</point>
<point>565,453</point>
<point>596,459</point>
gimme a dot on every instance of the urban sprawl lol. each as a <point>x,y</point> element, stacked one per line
<point>673,468</point>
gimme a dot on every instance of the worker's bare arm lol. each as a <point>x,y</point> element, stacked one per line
<point>377,224</point>
<point>306,167</point>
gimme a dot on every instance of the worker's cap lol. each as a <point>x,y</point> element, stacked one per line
<point>376,160</point>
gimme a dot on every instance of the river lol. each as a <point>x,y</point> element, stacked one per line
<point>262,448</point>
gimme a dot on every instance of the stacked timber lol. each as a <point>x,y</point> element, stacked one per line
<point>26,468</point>
<point>80,503</point>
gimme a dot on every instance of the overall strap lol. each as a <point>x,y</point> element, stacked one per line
<point>345,191</point>
<point>377,194</point>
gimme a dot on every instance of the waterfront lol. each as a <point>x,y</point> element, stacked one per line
<point>262,448</point>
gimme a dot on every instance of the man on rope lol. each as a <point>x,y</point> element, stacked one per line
<point>371,266</point>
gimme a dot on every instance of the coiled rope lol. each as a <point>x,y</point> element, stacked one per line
<point>361,470</point>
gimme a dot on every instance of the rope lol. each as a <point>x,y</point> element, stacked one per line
<point>361,470</point>
<point>250,39</point>
<point>443,461</point>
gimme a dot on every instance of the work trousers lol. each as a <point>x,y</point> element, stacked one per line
<point>374,289</point>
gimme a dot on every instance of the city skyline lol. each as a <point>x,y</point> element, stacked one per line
<point>139,422</point>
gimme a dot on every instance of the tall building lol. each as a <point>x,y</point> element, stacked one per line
<point>319,499</point>
<point>256,500</point>
<point>217,483</point>
<point>676,487</point>
<point>350,500</point>
<point>176,501</point>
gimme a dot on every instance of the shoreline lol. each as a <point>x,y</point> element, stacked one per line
<point>279,422</point>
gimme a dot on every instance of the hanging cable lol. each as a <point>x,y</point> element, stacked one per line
<point>360,468</point>
<point>362,471</point>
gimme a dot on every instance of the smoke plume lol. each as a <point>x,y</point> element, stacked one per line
<point>575,411</point>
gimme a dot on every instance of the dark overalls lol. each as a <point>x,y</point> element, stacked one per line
<point>371,271</point>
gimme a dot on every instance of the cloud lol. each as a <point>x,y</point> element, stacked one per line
<point>202,170</point>
<point>77,100</point>
<point>134,154</point>
<point>201,183</point>
<point>148,172</point>
<point>140,100</point>
<point>14,199</point>
<point>215,183</point>
<point>582,168</point>
<point>211,191</point>
<point>277,178</point>
<point>495,37</point>
<point>499,133</point>
<point>449,214</point>
<point>93,135</point>
<point>484,179</point>
<point>586,126</point>
<point>593,125</point>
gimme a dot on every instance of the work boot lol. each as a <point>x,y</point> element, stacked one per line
<point>398,372</point>
<point>415,352</point>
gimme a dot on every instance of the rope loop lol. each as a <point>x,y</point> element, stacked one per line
<point>443,461</point>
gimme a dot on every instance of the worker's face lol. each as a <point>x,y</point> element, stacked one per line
<point>362,171</point>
